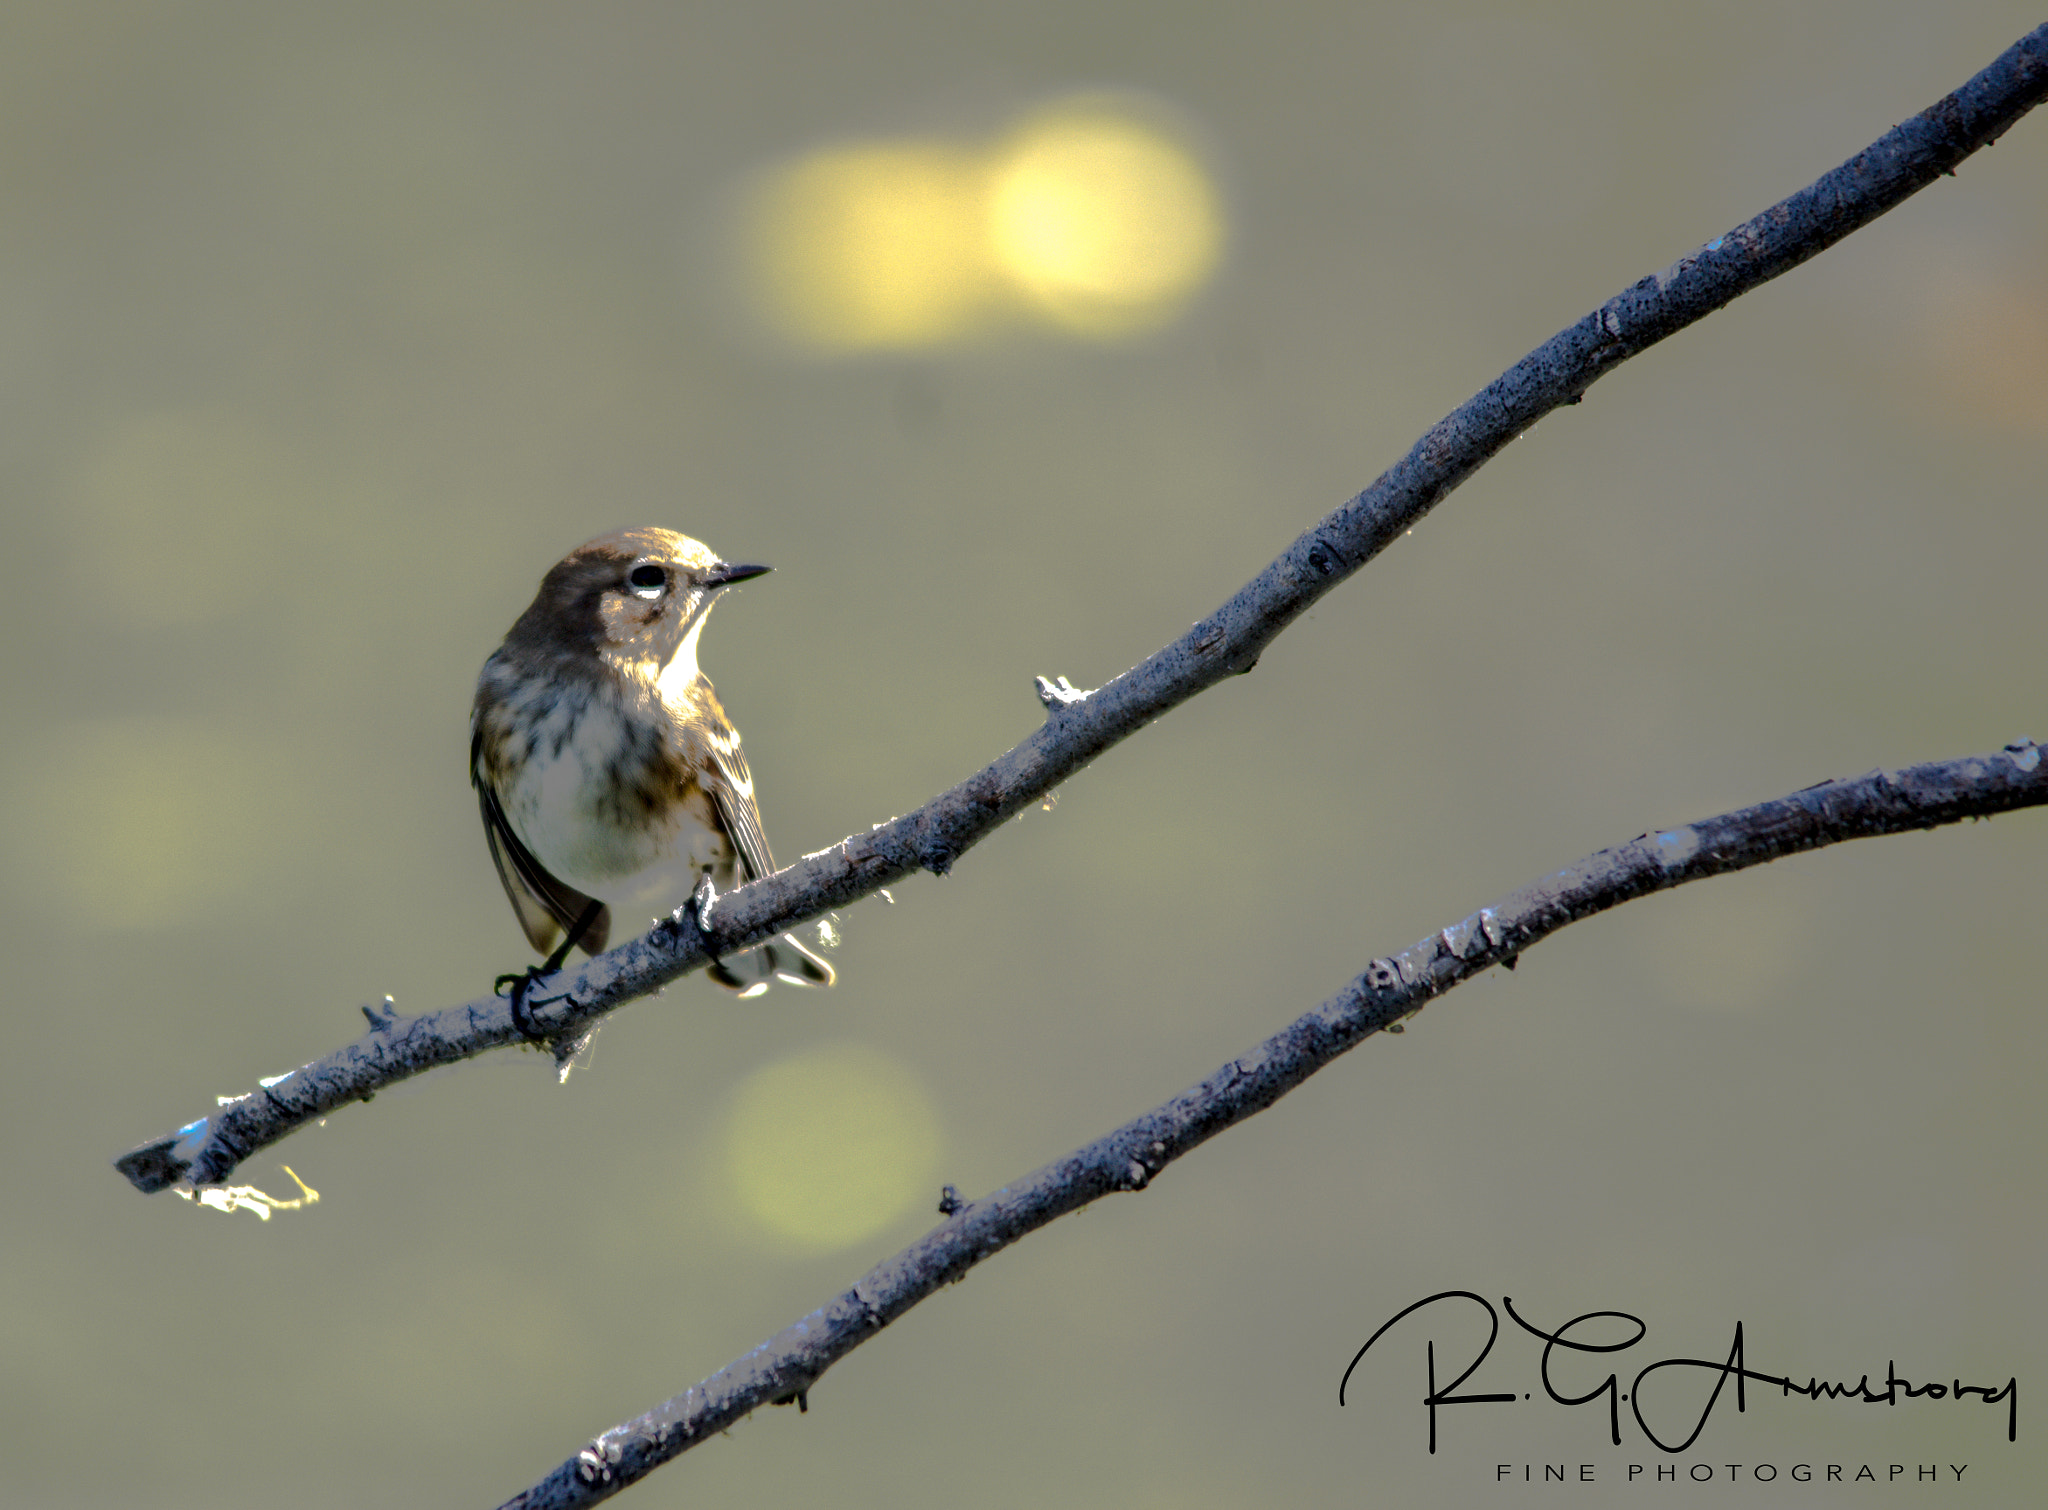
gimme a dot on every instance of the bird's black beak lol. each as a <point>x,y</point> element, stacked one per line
<point>724,574</point>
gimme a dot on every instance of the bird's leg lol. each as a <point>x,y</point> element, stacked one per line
<point>522,1014</point>
<point>700,909</point>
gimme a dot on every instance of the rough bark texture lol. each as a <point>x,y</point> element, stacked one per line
<point>1079,726</point>
<point>1391,989</point>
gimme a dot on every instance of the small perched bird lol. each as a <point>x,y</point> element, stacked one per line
<point>608,774</point>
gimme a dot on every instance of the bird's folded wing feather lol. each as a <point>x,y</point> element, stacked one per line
<point>546,908</point>
<point>733,791</point>
<point>732,788</point>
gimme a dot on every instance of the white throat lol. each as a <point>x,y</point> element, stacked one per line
<point>683,664</point>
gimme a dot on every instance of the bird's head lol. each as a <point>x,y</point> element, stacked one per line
<point>636,596</point>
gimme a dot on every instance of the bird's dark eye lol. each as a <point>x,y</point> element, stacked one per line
<point>647,581</point>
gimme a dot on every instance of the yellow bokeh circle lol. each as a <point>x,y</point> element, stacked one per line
<point>1104,220</point>
<point>831,1147</point>
<point>872,246</point>
<point>1092,216</point>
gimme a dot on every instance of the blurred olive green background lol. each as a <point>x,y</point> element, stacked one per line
<point>324,331</point>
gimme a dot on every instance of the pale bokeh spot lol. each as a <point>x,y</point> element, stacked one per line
<point>143,822</point>
<point>873,247</point>
<point>1091,218</point>
<point>1106,222</point>
<point>831,1147</point>
<point>181,516</point>
<point>1987,337</point>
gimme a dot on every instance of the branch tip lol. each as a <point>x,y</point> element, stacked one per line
<point>153,1167</point>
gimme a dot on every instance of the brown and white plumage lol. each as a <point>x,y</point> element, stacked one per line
<point>607,773</point>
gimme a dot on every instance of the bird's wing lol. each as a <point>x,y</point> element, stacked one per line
<point>546,908</point>
<point>732,788</point>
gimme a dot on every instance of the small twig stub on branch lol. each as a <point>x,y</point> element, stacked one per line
<point>1391,989</point>
<point>935,837</point>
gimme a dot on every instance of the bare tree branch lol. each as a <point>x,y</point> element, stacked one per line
<point>1080,726</point>
<point>1391,989</point>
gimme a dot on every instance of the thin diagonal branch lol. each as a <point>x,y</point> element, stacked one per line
<point>1079,727</point>
<point>1391,989</point>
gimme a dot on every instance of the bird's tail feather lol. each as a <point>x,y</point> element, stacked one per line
<point>783,959</point>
